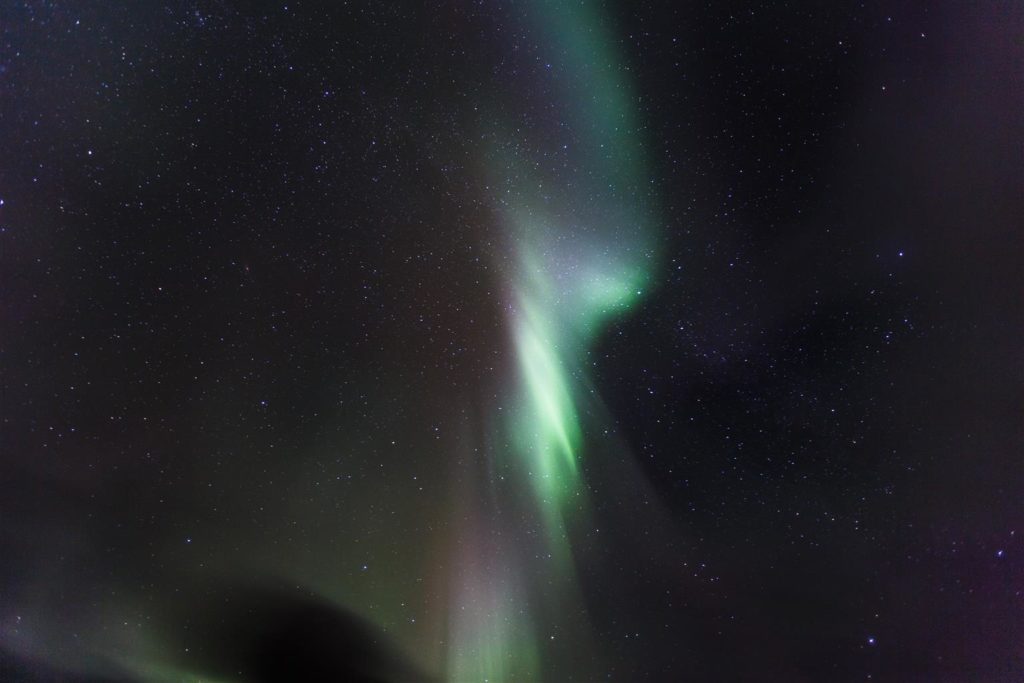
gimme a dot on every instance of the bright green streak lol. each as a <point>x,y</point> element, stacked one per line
<point>556,432</point>
<point>553,323</point>
<point>582,243</point>
<point>578,219</point>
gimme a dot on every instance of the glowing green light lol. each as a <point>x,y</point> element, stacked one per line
<point>581,254</point>
<point>550,414</point>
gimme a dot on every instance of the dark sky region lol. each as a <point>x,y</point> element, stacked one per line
<point>512,341</point>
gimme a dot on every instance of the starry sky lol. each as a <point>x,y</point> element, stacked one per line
<point>533,340</point>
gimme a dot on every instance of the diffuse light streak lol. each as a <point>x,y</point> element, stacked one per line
<point>581,253</point>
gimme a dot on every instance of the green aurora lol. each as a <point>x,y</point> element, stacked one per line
<point>581,248</point>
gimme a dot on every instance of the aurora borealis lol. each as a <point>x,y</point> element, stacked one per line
<point>579,247</point>
<point>537,341</point>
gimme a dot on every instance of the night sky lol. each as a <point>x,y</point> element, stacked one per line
<point>530,340</point>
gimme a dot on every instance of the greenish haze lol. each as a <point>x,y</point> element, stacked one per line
<point>580,233</point>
